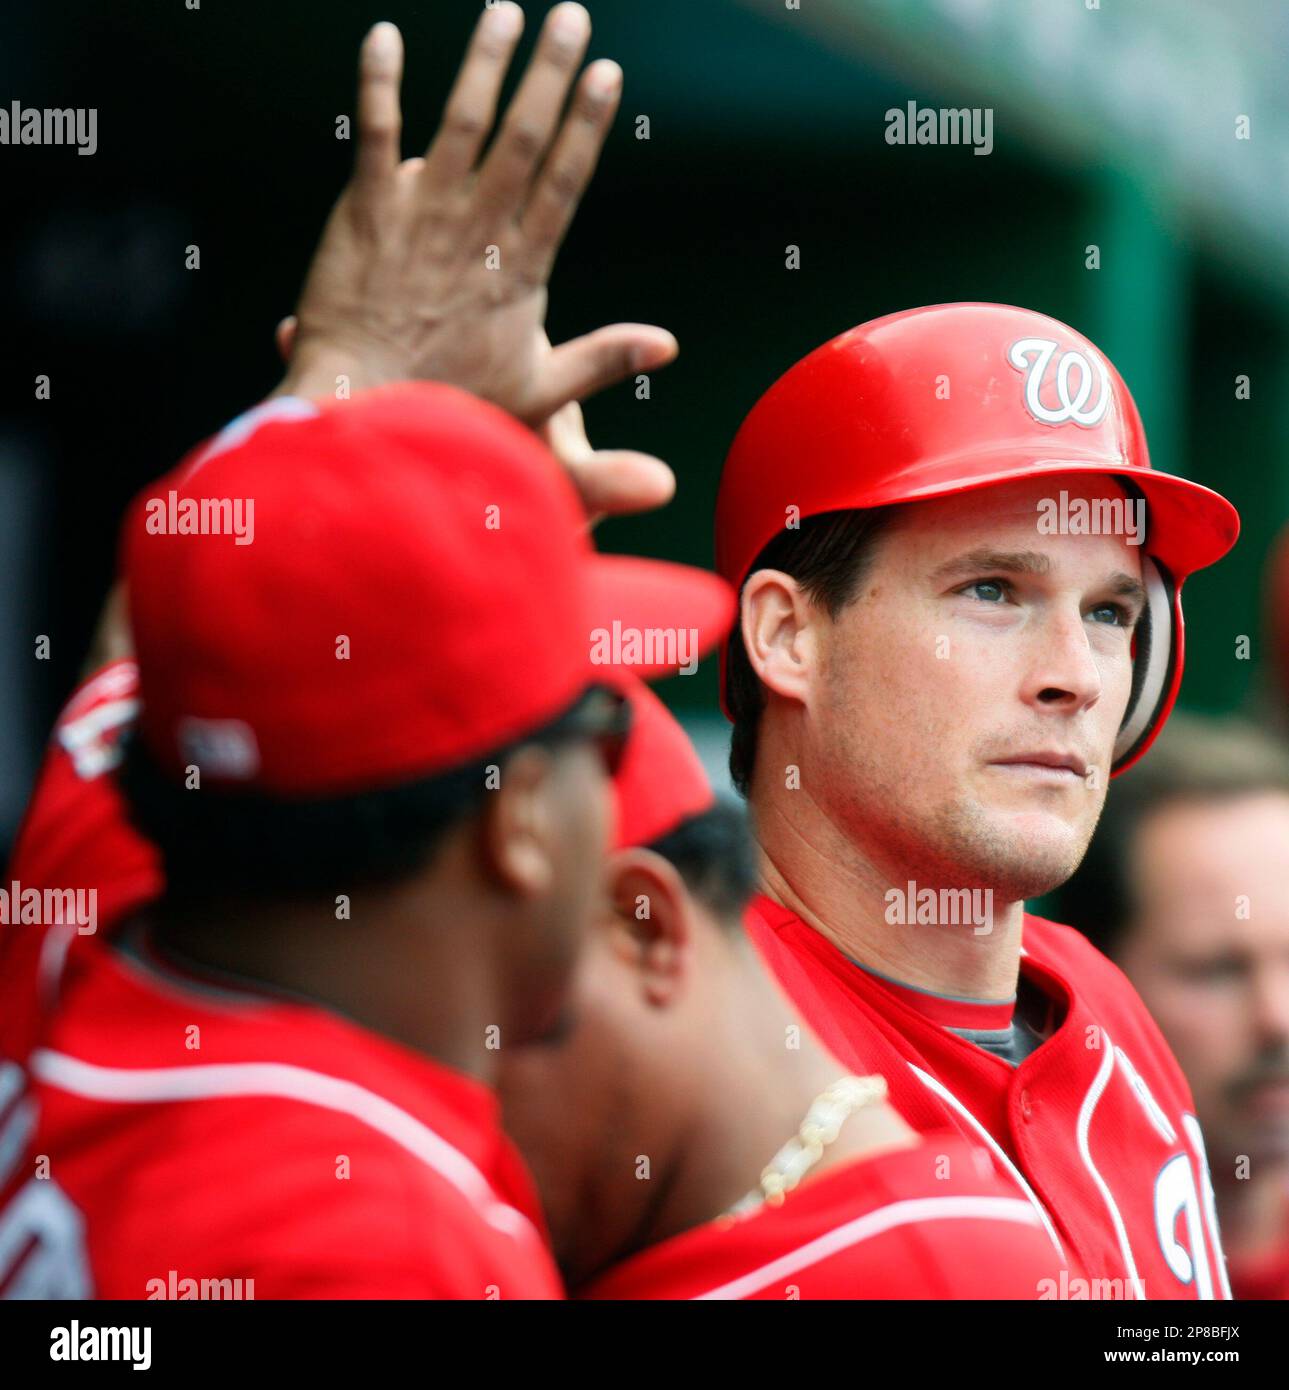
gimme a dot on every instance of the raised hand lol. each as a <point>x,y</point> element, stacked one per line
<point>437,268</point>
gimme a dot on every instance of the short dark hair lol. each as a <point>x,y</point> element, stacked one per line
<point>1195,759</point>
<point>828,555</point>
<point>221,843</point>
<point>715,855</point>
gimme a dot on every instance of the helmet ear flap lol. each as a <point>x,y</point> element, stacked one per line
<point>1154,658</point>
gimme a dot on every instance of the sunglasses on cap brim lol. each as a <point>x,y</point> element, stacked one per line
<point>601,716</point>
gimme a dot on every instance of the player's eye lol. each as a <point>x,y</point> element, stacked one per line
<point>1220,970</point>
<point>987,590</point>
<point>1118,615</point>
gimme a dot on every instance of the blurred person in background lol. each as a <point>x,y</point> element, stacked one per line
<point>1276,625</point>
<point>1186,887</point>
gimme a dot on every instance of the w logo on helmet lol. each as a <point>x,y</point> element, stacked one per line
<point>1033,355</point>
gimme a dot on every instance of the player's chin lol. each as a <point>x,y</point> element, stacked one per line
<point>561,1028</point>
<point>1034,852</point>
<point>1267,1144</point>
<point>552,1028</point>
<point>548,1019</point>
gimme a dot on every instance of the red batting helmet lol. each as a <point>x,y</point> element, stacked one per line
<point>955,397</point>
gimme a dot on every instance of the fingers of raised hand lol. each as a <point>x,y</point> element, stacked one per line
<point>472,104</point>
<point>582,366</point>
<point>616,482</point>
<point>610,482</point>
<point>569,165</point>
<point>380,119</point>
<point>533,116</point>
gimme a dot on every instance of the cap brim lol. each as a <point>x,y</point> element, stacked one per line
<point>661,782</point>
<point>1188,526</point>
<point>654,618</point>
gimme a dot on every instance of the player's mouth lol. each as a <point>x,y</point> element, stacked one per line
<point>1268,1096</point>
<point>1052,767</point>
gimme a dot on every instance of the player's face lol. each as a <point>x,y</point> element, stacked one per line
<point>1209,952</point>
<point>560,838</point>
<point>594,1109</point>
<point>568,1104</point>
<point>979,650</point>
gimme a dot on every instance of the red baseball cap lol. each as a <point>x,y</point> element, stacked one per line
<point>660,782</point>
<point>341,596</point>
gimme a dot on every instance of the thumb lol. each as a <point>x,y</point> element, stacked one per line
<point>582,366</point>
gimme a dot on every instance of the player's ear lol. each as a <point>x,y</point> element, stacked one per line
<point>779,624</point>
<point>652,923</point>
<point>519,824</point>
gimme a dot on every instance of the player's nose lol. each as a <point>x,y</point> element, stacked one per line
<point>1061,671</point>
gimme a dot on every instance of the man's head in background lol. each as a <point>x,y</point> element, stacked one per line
<point>1186,886</point>
<point>656,990</point>
<point>1276,626</point>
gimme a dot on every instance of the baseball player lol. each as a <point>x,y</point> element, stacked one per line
<point>399,289</point>
<point>372,754</point>
<point>960,617</point>
<point>691,1140</point>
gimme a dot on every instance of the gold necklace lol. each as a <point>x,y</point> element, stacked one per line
<point>828,1112</point>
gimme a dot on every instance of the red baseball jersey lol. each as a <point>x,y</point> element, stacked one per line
<point>1263,1276</point>
<point>934,1222</point>
<point>1094,1127</point>
<point>76,833</point>
<point>164,1137</point>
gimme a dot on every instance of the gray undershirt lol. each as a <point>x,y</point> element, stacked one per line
<point>1013,1043</point>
